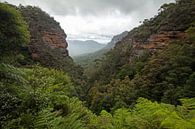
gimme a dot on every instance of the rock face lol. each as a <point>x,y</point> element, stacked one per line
<point>155,43</point>
<point>56,40</point>
<point>166,36</point>
<point>156,33</point>
<point>162,39</point>
<point>48,40</point>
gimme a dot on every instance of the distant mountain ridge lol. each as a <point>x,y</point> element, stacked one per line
<point>116,39</point>
<point>77,47</point>
<point>88,58</point>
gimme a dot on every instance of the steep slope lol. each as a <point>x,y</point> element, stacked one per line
<point>115,39</point>
<point>48,41</point>
<point>48,45</point>
<point>134,67</point>
<point>78,48</point>
<point>154,34</point>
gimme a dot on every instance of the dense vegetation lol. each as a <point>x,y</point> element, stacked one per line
<point>14,35</point>
<point>126,73</point>
<point>40,22</point>
<point>153,91</point>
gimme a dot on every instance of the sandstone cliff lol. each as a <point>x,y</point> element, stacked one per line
<point>48,41</point>
<point>156,33</point>
<point>155,43</point>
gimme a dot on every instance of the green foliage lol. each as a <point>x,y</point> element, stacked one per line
<point>49,80</point>
<point>49,107</point>
<point>103,121</point>
<point>172,17</point>
<point>117,94</point>
<point>50,120</point>
<point>133,68</point>
<point>12,83</point>
<point>183,118</point>
<point>165,75</point>
<point>107,67</point>
<point>161,77</point>
<point>14,34</point>
<point>10,73</point>
<point>189,88</point>
<point>40,22</point>
<point>191,32</point>
<point>73,115</point>
<point>27,91</point>
<point>148,115</point>
<point>35,97</point>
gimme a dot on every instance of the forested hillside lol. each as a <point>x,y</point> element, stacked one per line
<point>145,82</point>
<point>154,61</point>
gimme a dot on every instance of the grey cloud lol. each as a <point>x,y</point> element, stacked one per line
<point>100,7</point>
<point>134,11</point>
<point>94,7</point>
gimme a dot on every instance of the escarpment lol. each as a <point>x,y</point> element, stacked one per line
<point>145,41</point>
<point>155,34</point>
<point>156,42</point>
<point>48,40</point>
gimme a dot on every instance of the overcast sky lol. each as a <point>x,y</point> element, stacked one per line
<point>96,19</point>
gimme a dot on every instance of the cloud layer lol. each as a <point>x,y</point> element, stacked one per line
<point>89,18</point>
<point>94,7</point>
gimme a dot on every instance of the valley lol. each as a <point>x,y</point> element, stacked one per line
<point>143,78</point>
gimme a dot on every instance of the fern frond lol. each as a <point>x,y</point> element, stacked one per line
<point>44,119</point>
<point>73,122</point>
<point>11,73</point>
<point>49,120</point>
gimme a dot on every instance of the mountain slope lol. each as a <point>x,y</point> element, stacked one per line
<point>48,40</point>
<point>77,48</point>
<point>48,45</point>
<point>115,39</point>
<point>152,35</point>
<point>136,66</point>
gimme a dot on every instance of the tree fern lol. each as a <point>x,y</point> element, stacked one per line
<point>50,120</point>
<point>73,122</point>
<point>44,118</point>
<point>103,121</point>
<point>122,119</point>
<point>183,117</point>
<point>174,121</point>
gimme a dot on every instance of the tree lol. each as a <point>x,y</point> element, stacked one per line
<point>14,34</point>
<point>191,32</point>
